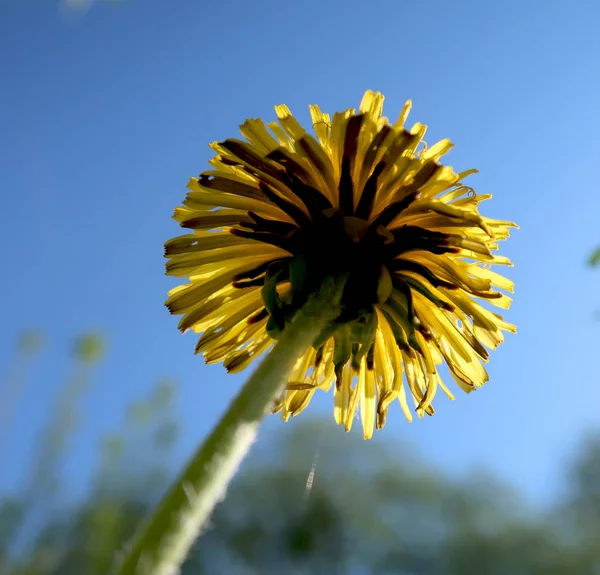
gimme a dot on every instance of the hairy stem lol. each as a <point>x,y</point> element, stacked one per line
<point>163,541</point>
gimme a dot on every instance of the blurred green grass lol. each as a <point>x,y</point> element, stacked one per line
<point>371,509</point>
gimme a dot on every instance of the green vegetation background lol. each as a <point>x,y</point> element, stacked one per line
<point>395,515</point>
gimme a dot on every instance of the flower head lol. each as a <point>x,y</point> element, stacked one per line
<point>283,211</point>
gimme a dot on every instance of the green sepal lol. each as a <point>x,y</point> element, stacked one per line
<point>419,287</point>
<point>270,296</point>
<point>363,334</point>
<point>398,306</point>
<point>342,350</point>
<point>371,357</point>
<point>319,356</point>
<point>403,294</point>
<point>398,332</point>
<point>326,334</point>
<point>273,330</point>
<point>297,269</point>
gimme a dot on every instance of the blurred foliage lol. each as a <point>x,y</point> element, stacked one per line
<point>30,343</point>
<point>594,257</point>
<point>83,4</point>
<point>312,501</point>
<point>13,382</point>
<point>89,348</point>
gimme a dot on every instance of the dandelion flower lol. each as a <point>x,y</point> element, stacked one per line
<point>362,198</point>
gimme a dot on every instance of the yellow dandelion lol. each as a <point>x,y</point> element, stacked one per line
<point>364,199</point>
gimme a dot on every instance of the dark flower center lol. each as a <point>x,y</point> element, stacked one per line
<point>340,246</point>
<point>330,246</point>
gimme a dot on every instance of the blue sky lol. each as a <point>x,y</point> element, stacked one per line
<point>105,114</point>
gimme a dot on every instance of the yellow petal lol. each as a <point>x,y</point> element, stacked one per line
<point>403,114</point>
<point>341,397</point>
<point>438,150</point>
<point>372,105</point>
<point>289,123</point>
<point>321,124</point>
<point>368,400</point>
<point>255,131</point>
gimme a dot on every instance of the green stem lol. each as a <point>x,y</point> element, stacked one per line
<point>163,541</point>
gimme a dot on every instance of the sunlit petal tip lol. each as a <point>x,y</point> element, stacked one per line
<point>282,211</point>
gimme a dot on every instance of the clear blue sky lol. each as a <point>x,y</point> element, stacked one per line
<point>104,115</point>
